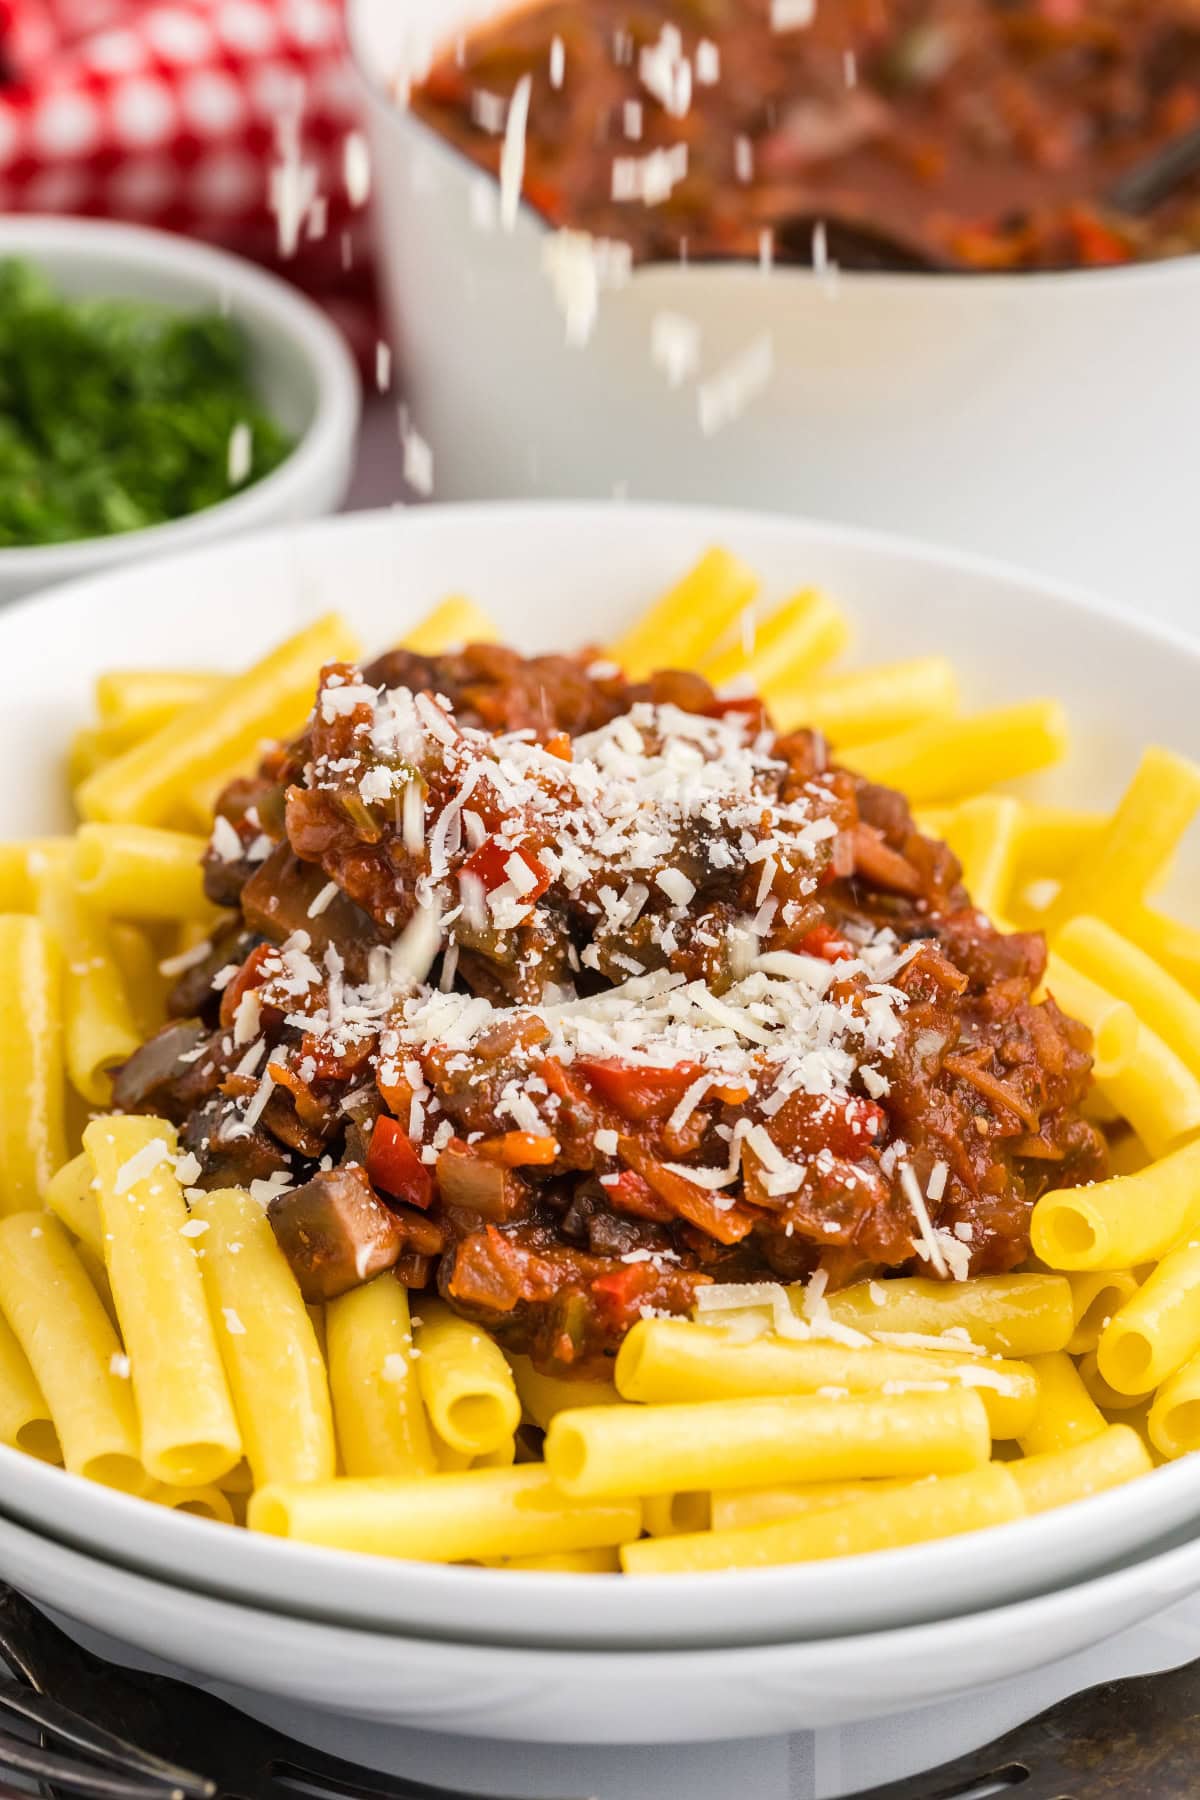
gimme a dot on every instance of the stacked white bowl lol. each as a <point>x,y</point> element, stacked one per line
<point>598,1658</point>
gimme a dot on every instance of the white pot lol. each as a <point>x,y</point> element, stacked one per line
<point>1048,419</point>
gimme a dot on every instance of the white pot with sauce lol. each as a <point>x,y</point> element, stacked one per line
<point>1044,418</point>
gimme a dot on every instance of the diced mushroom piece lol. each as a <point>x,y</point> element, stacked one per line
<point>278,900</point>
<point>151,1079</point>
<point>335,1233</point>
<point>466,1179</point>
<point>228,1154</point>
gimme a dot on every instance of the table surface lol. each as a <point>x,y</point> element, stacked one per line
<point>822,1765</point>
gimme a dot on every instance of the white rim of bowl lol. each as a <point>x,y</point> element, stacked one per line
<point>1038,281</point>
<point>252,291</point>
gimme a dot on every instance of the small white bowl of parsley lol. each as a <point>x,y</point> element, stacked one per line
<point>155,393</point>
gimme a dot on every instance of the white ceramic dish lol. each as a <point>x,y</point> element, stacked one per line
<point>574,1697</point>
<point>576,572</point>
<point>300,366</point>
<point>1047,419</point>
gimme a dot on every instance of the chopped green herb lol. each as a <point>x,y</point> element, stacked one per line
<point>118,414</point>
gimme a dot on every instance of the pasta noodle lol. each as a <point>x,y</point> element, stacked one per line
<point>1065,1413</point>
<point>447,1518</point>
<point>99,1032</point>
<point>205,1502</point>
<point>377,1405</point>
<point>138,696</point>
<point>71,1194</point>
<point>669,1515</point>
<point>1162,1004</point>
<point>1096,1296</point>
<point>270,700</point>
<point>32,1131</point>
<point>1006,1315</point>
<point>866,704</point>
<point>1158,1328</point>
<point>947,759</point>
<point>1174,1421</point>
<point>544,1395</point>
<point>733,1508</point>
<point>72,1350</point>
<point>1120,1223</point>
<point>985,835</point>
<point>25,1421</point>
<point>268,1345</point>
<point>1138,842</point>
<point>1104,1460</point>
<point>668,1360</point>
<point>467,1386</point>
<point>678,629</point>
<point>911,1515</point>
<point>454,621</point>
<point>1116,1035</point>
<point>789,645</point>
<point>606,1451</point>
<point>1107,1398</point>
<point>140,872</point>
<point>189,1431</point>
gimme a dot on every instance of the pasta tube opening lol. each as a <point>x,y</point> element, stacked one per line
<point>1175,1428</point>
<point>1129,1361</point>
<point>1068,1230</point>
<point>113,1470</point>
<point>39,1438</point>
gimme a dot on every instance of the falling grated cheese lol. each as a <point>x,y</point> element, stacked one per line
<point>512,153</point>
<point>725,395</point>
<point>675,346</point>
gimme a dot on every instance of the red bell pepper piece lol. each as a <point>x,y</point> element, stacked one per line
<point>250,975</point>
<point>489,865</point>
<point>637,1092</point>
<point>728,1224</point>
<point>826,942</point>
<point>747,706</point>
<point>395,1166</point>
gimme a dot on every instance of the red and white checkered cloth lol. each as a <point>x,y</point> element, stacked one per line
<point>227,120</point>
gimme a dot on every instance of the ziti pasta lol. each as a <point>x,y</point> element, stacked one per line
<point>583,1119</point>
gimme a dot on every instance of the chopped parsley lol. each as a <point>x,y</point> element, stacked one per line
<point>118,414</point>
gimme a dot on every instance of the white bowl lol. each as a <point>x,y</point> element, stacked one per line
<point>568,573</point>
<point>1048,419</point>
<point>299,365</point>
<point>567,1696</point>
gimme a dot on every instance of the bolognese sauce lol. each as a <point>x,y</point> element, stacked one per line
<point>984,134</point>
<point>564,997</point>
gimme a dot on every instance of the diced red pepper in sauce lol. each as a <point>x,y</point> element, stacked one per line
<point>828,943</point>
<point>636,1091</point>
<point>250,975</point>
<point>1097,244</point>
<point>394,1166</point>
<point>489,864</point>
<point>716,1218</point>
